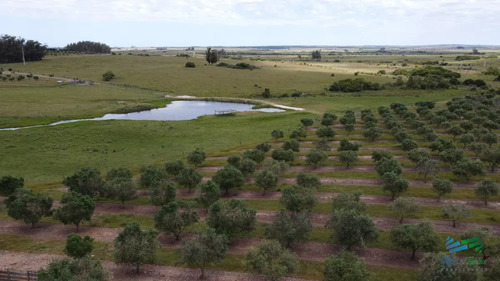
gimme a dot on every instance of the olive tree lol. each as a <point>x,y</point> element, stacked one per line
<point>455,212</point>
<point>78,247</point>
<point>205,249</point>
<point>308,180</point>
<point>150,176</point>
<point>66,269</point>
<point>404,207</point>
<point>9,184</point>
<point>266,180</point>
<point>196,157</point>
<point>485,189</point>
<point>277,134</point>
<point>467,169</point>
<point>345,266</point>
<point>286,229</point>
<point>189,178</point>
<point>207,194</point>
<point>442,187</point>
<point>372,133</point>
<point>135,246</point>
<point>173,168</point>
<point>349,201</point>
<point>76,208</point>
<point>315,157</point>
<point>229,178</point>
<point>162,193</point>
<point>298,199</point>
<point>427,167</point>
<point>27,206</point>
<point>271,260</point>
<point>421,236</point>
<point>170,220</point>
<point>394,183</point>
<point>348,157</point>
<point>231,217</point>
<point>283,155</point>
<point>87,181</point>
<point>351,228</point>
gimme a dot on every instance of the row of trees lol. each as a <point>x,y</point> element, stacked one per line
<point>88,47</point>
<point>15,49</point>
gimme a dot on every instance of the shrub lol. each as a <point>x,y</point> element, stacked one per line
<point>190,64</point>
<point>108,76</point>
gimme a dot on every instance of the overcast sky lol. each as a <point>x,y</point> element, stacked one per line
<point>125,23</point>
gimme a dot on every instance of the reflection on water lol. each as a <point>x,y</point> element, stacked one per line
<point>175,111</point>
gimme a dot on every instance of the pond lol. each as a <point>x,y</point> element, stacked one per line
<point>175,111</point>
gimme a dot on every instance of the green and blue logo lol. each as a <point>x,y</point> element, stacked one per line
<point>474,242</point>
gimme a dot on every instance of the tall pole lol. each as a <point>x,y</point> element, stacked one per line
<point>22,51</point>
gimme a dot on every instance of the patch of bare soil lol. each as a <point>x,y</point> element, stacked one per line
<point>21,262</point>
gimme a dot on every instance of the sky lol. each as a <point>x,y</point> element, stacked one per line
<point>158,23</point>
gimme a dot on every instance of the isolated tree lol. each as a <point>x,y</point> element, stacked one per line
<point>394,183</point>
<point>247,166</point>
<point>135,246</point>
<point>205,249</point>
<point>308,180</point>
<point>427,167</point>
<point>325,132</point>
<point>173,168</point>
<point>306,122</point>
<point>78,247</point>
<point>467,169</point>
<point>386,165</point>
<point>86,181</point>
<point>189,178</point>
<point>404,207</point>
<point>451,156</point>
<point>455,212</point>
<point>414,237</point>
<point>170,220</point>
<point>442,187</point>
<point>66,269</point>
<point>108,75</point>
<point>196,157</point>
<point>291,144</point>
<point>266,180</point>
<point>9,184</point>
<point>255,154</point>
<point>211,56</point>
<point>349,201</point>
<point>229,178</point>
<point>347,145</point>
<point>316,55</point>
<point>277,134</point>
<point>162,193</point>
<point>351,228</point>
<point>286,230</point>
<point>345,266</point>
<point>315,157</point>
<point>372,133</point>
<point>283,155</point>
<point>264,147</point>
<point>348,157</point>
<point>76,208</point>
<point>298,199</point>
<point>207,194</point>
<point>231,217</point>
<point>150,176</point>
<point>486,188</point>
<point>27,206</point>
<point>491,157</point>
<point>271,260</point>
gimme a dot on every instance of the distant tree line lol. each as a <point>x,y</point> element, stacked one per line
<point>354,85</point>
<point>11,49</point>
<point>88,47</point>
